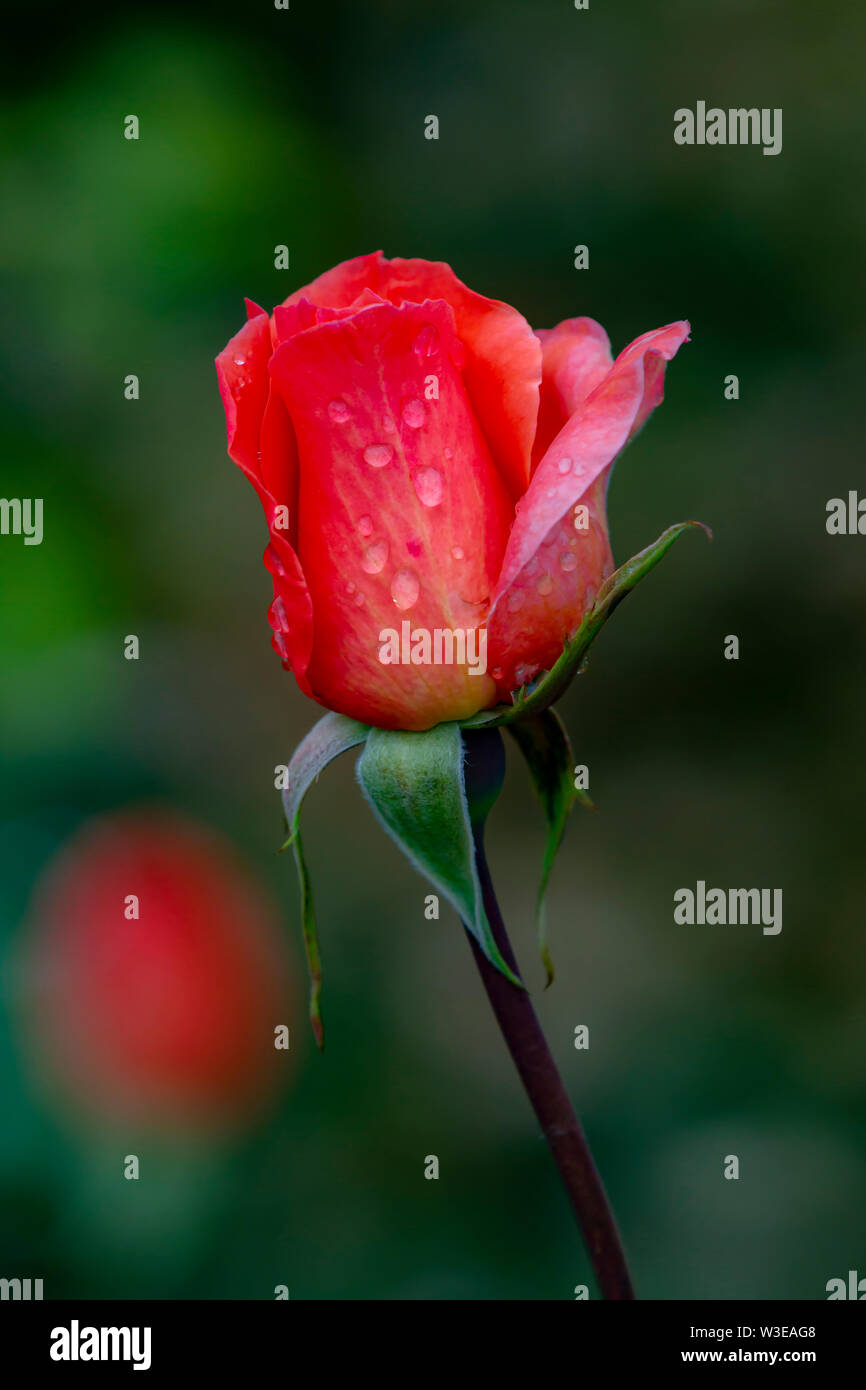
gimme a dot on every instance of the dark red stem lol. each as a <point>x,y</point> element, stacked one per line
<point>547,1094</point>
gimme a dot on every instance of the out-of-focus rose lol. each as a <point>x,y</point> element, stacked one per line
<point>422,455</point>
<point>157,976</point>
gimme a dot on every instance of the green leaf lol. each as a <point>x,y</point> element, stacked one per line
<point>544,743</point>
<point>333,735</point>
<point>415,785</point>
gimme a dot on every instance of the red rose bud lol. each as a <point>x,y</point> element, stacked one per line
<point>159,976</point>
<point>429,465</point>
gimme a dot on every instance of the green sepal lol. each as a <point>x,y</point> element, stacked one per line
<point>534,698</point>
<point>415,785</point>
<point>545,745</point>
<point>333,735</point>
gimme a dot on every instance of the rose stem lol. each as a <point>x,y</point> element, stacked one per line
<point>547,1094</point>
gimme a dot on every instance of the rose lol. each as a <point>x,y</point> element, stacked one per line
<point>422,454</point>
<point>157,976</point>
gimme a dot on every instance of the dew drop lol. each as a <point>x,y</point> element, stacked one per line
<point>568,560</point>
<point>359,599</point>
<point>428,485</point>
<point>374,557</point>
<point>365,525</point>
<point>405,589</point>
<point>278,617</point>
<point>458,552</point>
<point>448,453</point>
<point>378,455</point>
<point>414,414</point>
<point>350,588</point>
<point>427,341</point>
<point>240,361</point>
<point>545,585</point>
<point>273,563</point>
<point>339,412</point>
<point>523,674</point>
<point>564,466</point>
<point>515,600</point>
<point>496,673</point>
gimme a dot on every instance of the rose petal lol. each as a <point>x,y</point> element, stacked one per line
<point>425,509</point>
<point>503,356</point>
<point>575,357</point>
<point>242,372</point>
<point>539,599</point>
<point>261,442</point>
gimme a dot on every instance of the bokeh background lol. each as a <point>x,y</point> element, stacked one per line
<point>305,127</point>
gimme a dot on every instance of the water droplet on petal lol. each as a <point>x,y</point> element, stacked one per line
<point>458,552</point>
<point>359,599</point>
<point>545,585</point>
<point>339,412</point>
<point>405,589</point>
<point>564,466</point>
<point>378,455</point>
<point>523,674</point>
<point>374,557</point>
<point>515,600</point>
<point>568,560</point>
<point>365,525</point>
<point>240,361</point>
<point>350,588</point>
<point>428,485</point>
<point>277,615</point>
<point>414,414</point>
<point>448,453</point>
<point>551,492</point>
<point>496,673</point>
<point>273,563</point>
<point>427,341</point>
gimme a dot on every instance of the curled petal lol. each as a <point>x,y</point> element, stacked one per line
<point>242,372</point>
<point>261,442</point>
<point>558,552</point>
<point>575,358</point>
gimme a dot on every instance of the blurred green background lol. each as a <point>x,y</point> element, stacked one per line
<point>305,127</point>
